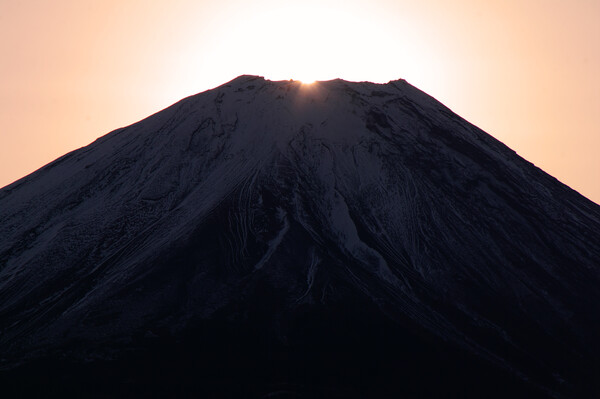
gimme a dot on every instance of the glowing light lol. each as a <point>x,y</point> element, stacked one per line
<point>307,41</point>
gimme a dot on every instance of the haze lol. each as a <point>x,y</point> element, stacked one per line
<point>524,71</point>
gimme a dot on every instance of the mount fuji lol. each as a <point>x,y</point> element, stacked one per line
<point>273,239</point>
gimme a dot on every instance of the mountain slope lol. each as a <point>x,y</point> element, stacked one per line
<point>330,225</point>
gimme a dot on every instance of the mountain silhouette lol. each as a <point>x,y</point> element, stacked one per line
<point>276,239</point>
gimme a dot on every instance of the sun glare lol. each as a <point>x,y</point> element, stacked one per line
<point>307,81</point>
<point>307,41</point>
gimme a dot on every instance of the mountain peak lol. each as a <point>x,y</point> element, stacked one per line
<point>245,78</point>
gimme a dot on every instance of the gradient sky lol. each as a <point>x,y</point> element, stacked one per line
<point>525,71</point>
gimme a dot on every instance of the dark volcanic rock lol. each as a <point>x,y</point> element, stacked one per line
<point>274,239</point>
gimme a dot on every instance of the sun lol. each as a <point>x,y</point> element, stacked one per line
<point>307,41</point>
<point>307,81</point>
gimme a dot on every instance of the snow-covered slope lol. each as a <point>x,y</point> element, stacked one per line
<point>263,203</point>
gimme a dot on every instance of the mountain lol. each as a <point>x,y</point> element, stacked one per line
<point>275,239</point>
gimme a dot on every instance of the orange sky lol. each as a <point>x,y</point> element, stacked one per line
<point>525,71</point>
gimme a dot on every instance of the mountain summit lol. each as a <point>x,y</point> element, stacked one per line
<point>277,239</point>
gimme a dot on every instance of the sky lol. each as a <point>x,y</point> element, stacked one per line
<point>525,71</point>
